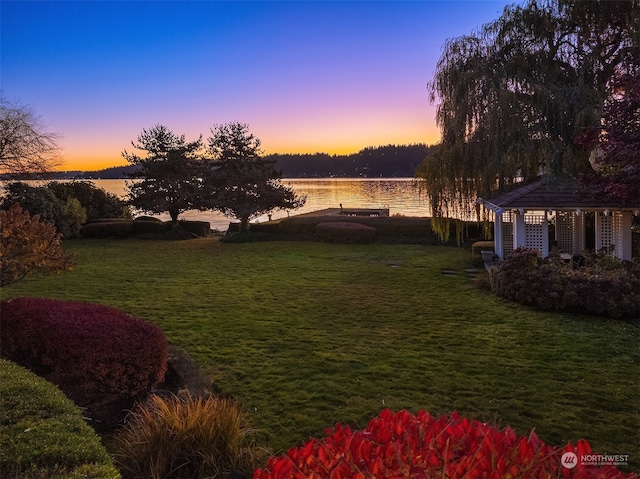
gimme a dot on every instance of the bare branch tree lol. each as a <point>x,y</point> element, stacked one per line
<point>25,145</point>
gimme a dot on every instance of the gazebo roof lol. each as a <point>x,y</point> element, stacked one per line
<point>540,195</point>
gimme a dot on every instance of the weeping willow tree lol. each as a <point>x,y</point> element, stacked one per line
<point>514,95</point>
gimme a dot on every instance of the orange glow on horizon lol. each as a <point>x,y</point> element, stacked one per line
<point>90,162</point>
<point>86,160</point>
<point>340,148</point>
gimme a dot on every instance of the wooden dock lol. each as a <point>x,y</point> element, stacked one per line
<point>349,212</point>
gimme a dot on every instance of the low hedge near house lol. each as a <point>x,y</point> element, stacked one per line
<point>42,433</point>
<point>101,358</point>
<point>605,286</point>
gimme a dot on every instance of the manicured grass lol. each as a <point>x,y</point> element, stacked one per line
<point>309,334</point>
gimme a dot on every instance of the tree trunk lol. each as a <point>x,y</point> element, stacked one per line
<point>174,216</point>
<point>244,225</point>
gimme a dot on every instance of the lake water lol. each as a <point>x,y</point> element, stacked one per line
<point>400,195</point>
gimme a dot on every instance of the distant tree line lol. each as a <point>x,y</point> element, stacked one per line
<point>390,161</point>
<point>112,173</point>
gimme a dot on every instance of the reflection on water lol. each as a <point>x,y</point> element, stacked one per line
<point>400,195</point>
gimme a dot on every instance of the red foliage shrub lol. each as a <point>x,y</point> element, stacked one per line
<point>28,246</point>
<point>401,445</point>
<point>345,232</point>
<point>96,354</point>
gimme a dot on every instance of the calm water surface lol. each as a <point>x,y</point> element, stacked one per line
<point>400,195</point>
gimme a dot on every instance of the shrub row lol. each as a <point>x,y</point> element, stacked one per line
<point>198,228</point>
<point>384,225</point>
<point>606,286</point>
<point>269,227</point>
<point>388,228</point>
<point>149,228</point>
<point>42,433</point>
<point>345,232</point>
<point>100,357</point>
<point>401,445</point>
<point>107,229</point>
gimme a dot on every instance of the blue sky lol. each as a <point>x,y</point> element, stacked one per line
<point>307,76</point>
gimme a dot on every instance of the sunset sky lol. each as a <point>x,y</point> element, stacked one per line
<point>306,76</point>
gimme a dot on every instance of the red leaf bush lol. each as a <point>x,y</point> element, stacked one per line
<point>100,357</point>
<point>401,445</point>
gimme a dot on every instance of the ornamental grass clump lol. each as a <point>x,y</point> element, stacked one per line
<point>187,437</point>
<point>402,445</point>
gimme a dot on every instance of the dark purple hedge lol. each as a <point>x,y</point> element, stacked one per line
<point>100,357</point>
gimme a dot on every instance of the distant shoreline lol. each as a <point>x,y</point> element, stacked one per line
<point>88,176</point>
<point>391,161</point>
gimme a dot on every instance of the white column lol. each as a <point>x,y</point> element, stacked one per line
<point>564,231</point>
<point>579,244</point>
<point>604,230</point>
<point>622,234</point>
<point>519,230</point>
<point>545,236</point>
<point>497,235</point>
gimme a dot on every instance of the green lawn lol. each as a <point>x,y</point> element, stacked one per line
<point>309,334</point>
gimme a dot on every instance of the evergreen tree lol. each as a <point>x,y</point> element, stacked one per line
<point>171,176</point>
<point>242,183</point>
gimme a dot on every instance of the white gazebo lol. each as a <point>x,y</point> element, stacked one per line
<point>522,218</point>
